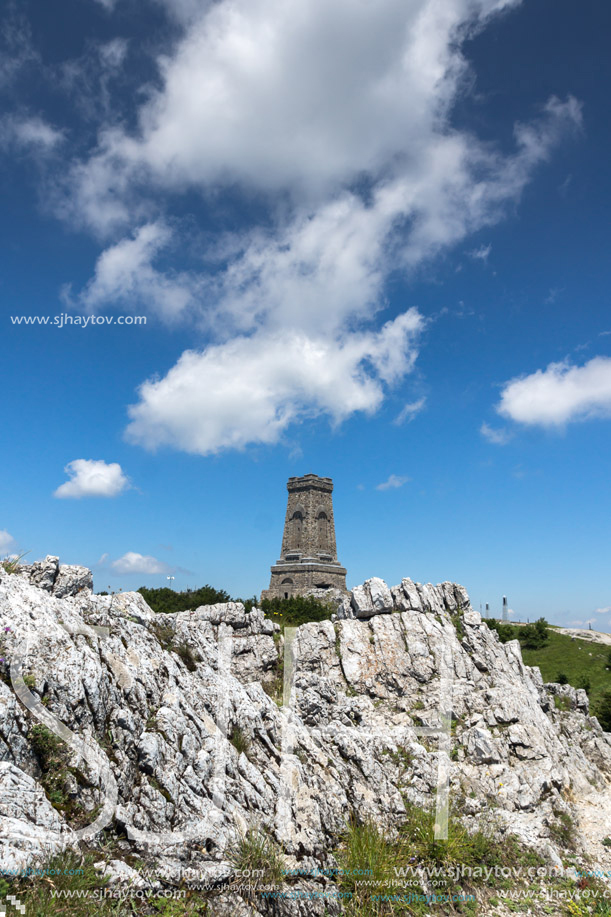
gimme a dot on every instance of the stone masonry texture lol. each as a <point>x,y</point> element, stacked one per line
<point>309,553</point>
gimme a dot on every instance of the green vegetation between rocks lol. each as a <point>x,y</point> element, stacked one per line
<point>296,611</point>
<point>469,873</point>
<point>167,601</point>
<point>379,874</point>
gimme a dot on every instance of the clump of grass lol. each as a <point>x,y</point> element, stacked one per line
<point>11,564</point>
<point>239,740</point>
<point>563,831</point>
<point>458,623</point>
<point>68,872</point>
<point>255,852</point>
<point>561,702</point>
<point>367,860</point>
<point>53,756</point>
<point>188,655</point>
<point>275,689</point>
<point>165,635</point>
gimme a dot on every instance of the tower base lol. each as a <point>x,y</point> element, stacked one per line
<point>288,580</point>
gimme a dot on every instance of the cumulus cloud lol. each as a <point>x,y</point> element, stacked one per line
<point>392,483</point>
<point>7,542</point>
<point>258,97</point>
<point>603,611</point>
<point>91,478</point>
<point>124,274</point>
<point>409,411</point>
<point>249,389</point>
<point>559,394</point>
<point>497,435</point>
<point>132,562</point>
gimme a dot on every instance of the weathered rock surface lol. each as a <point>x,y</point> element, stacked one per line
<point>160,698</point>
<point>60,580</point>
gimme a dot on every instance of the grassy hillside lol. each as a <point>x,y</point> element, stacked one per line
<point>575,658</point>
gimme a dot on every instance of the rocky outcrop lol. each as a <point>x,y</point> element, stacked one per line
<point>176,729</point>
<point>60,580</point>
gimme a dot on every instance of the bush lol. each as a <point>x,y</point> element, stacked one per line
<point>297,610</point>
<point>603,711</point>
<point>562,679</point>
<point>533,636</point>
<point>505,631</point>
<point>166,601</point>
<point>584,682</point>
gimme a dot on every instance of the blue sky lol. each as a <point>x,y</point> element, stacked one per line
<point>369,241</point>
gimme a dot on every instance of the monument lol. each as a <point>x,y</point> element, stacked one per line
<point>309,554</point>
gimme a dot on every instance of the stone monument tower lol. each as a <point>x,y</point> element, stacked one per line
<point>309,555</point>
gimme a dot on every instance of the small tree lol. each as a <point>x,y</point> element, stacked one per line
<point>603,711</point>
<point>534,636</point>
<point>584,682</point>
<point>505,631</point>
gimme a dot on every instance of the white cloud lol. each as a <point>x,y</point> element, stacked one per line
<point>559,394</point>
<point>90,478</point>
<point>261,93</point>
<point>124,274</point>
<point>258,96</point>
<point>132,562</point>
<point>496,435</point>
<point>392,483</point>
<point>7,542</point>
<point>603,611</point>
<point>28,132</point>
<point>481,253</point>
<point>250,389</point>
<point>409,411</point>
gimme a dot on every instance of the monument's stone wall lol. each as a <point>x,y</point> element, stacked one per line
<point>309,551</point>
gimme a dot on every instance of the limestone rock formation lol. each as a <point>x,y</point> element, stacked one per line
<point>155,701</point>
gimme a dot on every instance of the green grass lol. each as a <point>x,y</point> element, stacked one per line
<point>255,855</point>
<point>562,654</point>
<point>39,893</point>
<point>370,861</point>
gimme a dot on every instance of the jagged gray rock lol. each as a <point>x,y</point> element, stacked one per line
<point>160,696</point>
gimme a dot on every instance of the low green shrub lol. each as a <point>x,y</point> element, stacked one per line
<point>297,610</point>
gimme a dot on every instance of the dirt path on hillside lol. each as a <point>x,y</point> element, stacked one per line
<point>594,636</point>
